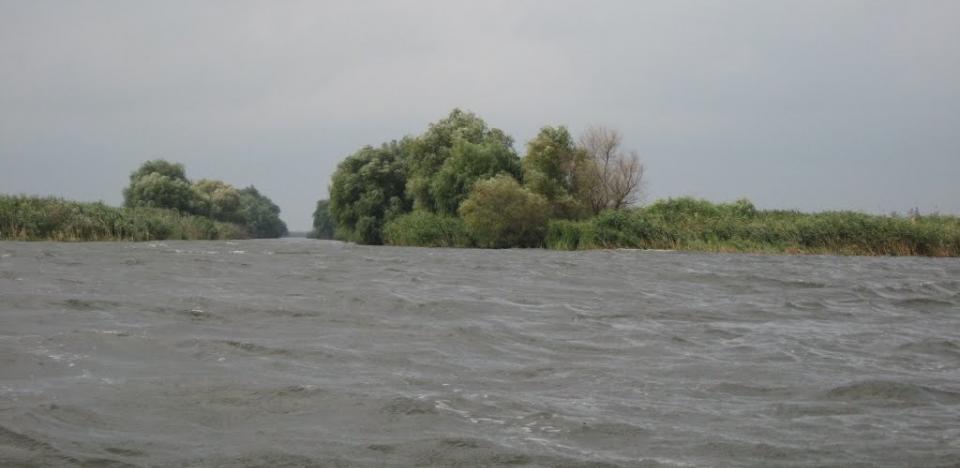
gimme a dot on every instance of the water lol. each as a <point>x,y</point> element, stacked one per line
<point>296,352</point>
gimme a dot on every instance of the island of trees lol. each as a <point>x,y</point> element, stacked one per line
<point>461,184</point>
<point>160,203</point>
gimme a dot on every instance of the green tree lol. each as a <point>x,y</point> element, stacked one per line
<point>469,162</point>
<point>260,215</point>
<point>446,160</point>
<point>156,190</point>
<point>501,213</point>
<point>552,167</point>
<point>220,200</point>
<point>324,225</point>
<point>163,167</point>
<point>368,189</point>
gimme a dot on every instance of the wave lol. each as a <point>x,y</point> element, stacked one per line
<point>893,392</point>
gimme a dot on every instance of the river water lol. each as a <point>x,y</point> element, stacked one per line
<point>297,352</point>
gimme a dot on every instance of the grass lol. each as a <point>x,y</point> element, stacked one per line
<point>690,224</point>
<point>54,219</point>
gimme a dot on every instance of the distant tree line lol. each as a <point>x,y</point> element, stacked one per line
<point>163,184</point>
<point>461,183</point>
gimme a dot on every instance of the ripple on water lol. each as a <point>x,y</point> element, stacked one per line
<point>890,392</point>
<point>300,353</point>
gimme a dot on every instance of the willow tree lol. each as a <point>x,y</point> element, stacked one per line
<point>161,184</point>
<point>453,154</point>
<point>368,189</point>
<point>554,167</point>
<point>324,225</point>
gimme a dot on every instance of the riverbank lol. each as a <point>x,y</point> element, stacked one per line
<point>698,225</point>
<point>30,218</point>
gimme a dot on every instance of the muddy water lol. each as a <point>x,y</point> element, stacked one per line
<point>296,353</point>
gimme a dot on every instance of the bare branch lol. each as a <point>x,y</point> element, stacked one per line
<point>614,178</point>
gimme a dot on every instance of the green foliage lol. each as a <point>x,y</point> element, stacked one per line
<point>553,167</point>
<point>173,171</point>
<point>460,166</point>
<point>453,154</point>
<point>690,224</point>
<point>37,218</point>
<point>324,225</point>
<point>156,190</point>
<point>218,200</point>
<point>162,184</point>
<point>500,213</point>
<point>425,229</point>
<point>260,215</point>
<point>468,163</point>
<point>368,189</point>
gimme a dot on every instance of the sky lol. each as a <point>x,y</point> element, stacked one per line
<point>810,105</point>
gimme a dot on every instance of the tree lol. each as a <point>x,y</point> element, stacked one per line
<point>468,163</point>
<point>220,199</point>
<point>553,167</point>
<point>454,152</point>
<point>613,178</point>
<point>260,215</point>
<point>163,167</point>
<point>323,222</point>
<point>368,189</point>
<point>160,184</point>
<point>501,213</point>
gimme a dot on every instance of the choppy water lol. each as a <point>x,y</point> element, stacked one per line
<point>296,352</point>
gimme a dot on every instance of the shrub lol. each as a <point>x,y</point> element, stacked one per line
<point>499,213</point>
<point>424,229</point>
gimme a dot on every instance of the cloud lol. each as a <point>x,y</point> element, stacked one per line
<point>811,105</point>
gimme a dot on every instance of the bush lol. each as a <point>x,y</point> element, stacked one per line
<point>499,213</point>
<point>424,229</point>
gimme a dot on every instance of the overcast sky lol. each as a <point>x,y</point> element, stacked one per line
<point>794,104</point>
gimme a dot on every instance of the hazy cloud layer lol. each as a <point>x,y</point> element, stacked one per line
<point>794,104</point>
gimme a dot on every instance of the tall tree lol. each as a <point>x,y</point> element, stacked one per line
<point>261,216</point>
<point>368,189</point>
<point>161,184</point>
<point>324,225</point>
<point>455,152</point>
<point>553,167</point>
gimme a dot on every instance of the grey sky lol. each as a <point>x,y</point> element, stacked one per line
<point>793,104</point>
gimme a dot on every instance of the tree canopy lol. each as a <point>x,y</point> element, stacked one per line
<point>163,184</point>
<point>458,183</point>
<point>451,155</point>
<point>324,225</point>
<point>367,189</point>
<point>554,167</point>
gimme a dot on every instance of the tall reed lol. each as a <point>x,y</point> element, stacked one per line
<point>55,219</point>
<point>690,224</point>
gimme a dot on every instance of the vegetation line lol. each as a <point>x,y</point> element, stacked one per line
<point>461,184</point>
<point>160,203</point>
